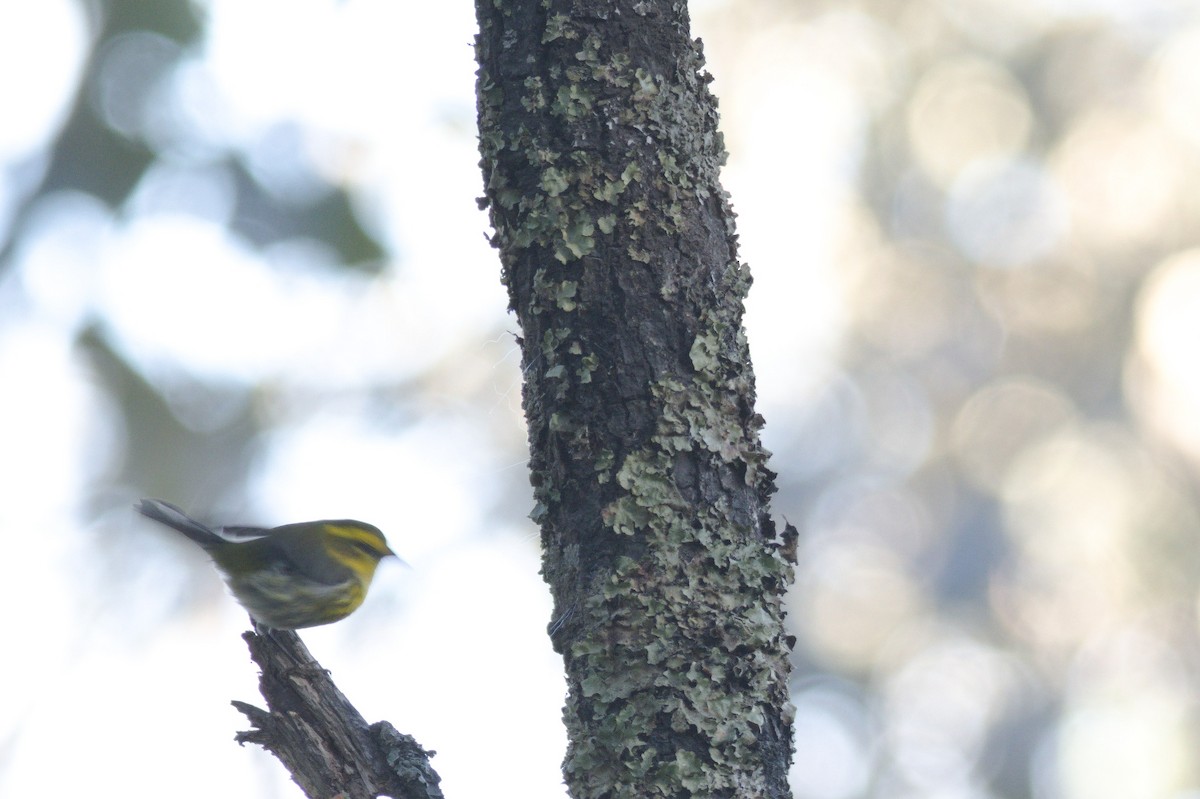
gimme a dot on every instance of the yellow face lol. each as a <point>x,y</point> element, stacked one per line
<point>357,546</point>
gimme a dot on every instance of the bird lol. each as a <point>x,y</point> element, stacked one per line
<point>288,577</point>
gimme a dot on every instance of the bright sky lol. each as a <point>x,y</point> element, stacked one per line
<point>149,709</point>
<point>466,667</point>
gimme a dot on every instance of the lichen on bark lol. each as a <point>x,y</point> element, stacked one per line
<point>601,157</point>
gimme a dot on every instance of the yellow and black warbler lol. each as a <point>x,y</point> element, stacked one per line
<point>297,575</point>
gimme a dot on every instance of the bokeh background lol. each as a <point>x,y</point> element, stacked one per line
<point>242,269</point>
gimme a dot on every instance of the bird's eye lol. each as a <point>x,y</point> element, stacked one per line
<point>367,548</point>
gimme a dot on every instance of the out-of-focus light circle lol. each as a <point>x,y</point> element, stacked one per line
<point>998,422</point>
<point>964,111</point>
<point>1167,333</point>
<point>941,702</point>
<point>1061,296</point>
<point>832,743</point>
<point>41,51</point>
<point>1174,84</point>
<point>1125,744</point>
<point>1006,213</point>
<point>905,299</point>
<point>1121,176</point>
<point>129,72</point>
<point>851,597</point>
<point>1095,526</point>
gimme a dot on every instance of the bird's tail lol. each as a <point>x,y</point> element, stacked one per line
<point>173,517</point>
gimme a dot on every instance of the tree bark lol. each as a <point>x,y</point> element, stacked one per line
<point>600,153</point>
<point>320,738</point>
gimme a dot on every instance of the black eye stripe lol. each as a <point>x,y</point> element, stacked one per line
<point>366,547</point>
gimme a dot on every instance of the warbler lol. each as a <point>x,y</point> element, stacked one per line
<point>289,577</point>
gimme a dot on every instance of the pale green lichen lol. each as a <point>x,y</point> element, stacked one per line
<point>660,106</point>
<point>603,465</point>
<point>638,254</point>
<point>565,298</point>
<point>662,635</point>
<point>559,26</point>
<point>572,101</point>
<point>698,698</point>
<point>704,351</point>
<point>534,98</point>
<point>588,364</point>
<point>554,181</point>
<point>591,49</point>
<point>551,339</point>
<point>577,238</point>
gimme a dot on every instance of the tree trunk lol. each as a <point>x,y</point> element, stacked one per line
<point>601,157</point>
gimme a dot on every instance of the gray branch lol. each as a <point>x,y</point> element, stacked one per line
<point>320,738</point>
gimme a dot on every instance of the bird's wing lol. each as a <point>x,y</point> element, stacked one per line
<point>301,555</point>
<point>235,533</point>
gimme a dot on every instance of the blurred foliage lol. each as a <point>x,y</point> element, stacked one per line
<point>115,131</point>
<point>998,589</point>
<point>975,322</point>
